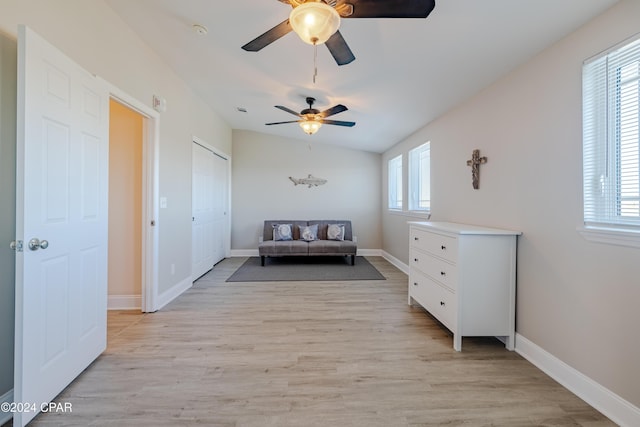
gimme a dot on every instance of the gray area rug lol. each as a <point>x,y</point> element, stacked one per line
<point>279,269</point>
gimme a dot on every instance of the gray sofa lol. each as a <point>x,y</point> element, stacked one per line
<point>268,247</point>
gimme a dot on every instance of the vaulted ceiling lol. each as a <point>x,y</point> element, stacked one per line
<point>406,73</point>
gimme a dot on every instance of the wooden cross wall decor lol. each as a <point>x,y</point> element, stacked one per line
<point>475,163</point>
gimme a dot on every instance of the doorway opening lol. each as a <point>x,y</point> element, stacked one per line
<point>133,214</point>
<point>125,208</point>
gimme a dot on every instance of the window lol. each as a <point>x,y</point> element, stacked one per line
<point>420,178</point>
<point>395,183</point>
<point>611,147</point>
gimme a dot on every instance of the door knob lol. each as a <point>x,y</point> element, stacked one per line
<point>35,244</point>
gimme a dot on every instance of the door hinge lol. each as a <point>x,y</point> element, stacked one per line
<point>16,245</point>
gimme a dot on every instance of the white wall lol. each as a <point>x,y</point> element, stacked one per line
<point>261,188</point>
<point>96,38</point>
<point>576,299</point>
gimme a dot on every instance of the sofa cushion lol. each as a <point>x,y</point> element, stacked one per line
<point>332,247</point>
<point>283,247</point>
<point>267,230</point>
<point>324,224</point>
<point>308,233</point>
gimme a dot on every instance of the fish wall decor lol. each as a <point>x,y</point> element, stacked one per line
<point>311,181</point>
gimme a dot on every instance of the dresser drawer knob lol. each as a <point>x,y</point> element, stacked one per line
<point>442,273</point>
<point>443,247</point>
<point>415,283</point>
<point>415,259</point>
<point>442,303</point>
<point>415,238</point>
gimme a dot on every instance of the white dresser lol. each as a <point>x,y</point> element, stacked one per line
<point>465,276</point>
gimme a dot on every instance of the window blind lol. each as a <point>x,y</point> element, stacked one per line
<point>395,182</point>
<point>420,178</point>
<point>611,147</point>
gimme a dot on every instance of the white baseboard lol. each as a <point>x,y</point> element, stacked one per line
<point>244,252</point>
<point>604,400</point>
<point>169,295</point>
<point>6,398</point>
<point>124,302</point>
<point>368,252</point>
<point>395,261</point>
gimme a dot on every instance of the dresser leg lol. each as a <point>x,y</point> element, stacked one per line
<point>510,342</point>
<point>457,342</point>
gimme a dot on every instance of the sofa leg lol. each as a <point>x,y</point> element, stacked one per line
<point>353,260</point>
<point>262,260</point>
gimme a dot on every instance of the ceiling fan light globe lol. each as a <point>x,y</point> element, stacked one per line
<point>310,126</point>
<point>314,22</point>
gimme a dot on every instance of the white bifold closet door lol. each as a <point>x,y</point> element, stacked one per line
<point>209,209</point>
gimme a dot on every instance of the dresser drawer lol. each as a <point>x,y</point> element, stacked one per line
<point>443,246</point>
<point>418,288</point>
<point>439,301</point>
<point>440,270</point>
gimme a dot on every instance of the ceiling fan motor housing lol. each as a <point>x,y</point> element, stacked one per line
<point>310,111</point>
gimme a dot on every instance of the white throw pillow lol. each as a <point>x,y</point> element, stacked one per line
<point>282,232</point>
<point>308,233</point>
<point>335,232</point>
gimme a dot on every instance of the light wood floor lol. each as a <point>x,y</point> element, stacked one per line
<point>307,354</point>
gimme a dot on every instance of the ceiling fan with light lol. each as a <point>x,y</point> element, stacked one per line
<point>311,119</point>
<point>317,21</point>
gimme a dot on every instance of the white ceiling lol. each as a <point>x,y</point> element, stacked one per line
<point>407,72</point>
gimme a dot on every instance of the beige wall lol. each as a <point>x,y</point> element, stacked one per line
<point>125,200</point>
<point>261,188</point>
<point>576,299</point>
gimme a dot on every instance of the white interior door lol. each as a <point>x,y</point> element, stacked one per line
<point>62,171</point>
<point>202,253</point>
<point>220,208</point>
